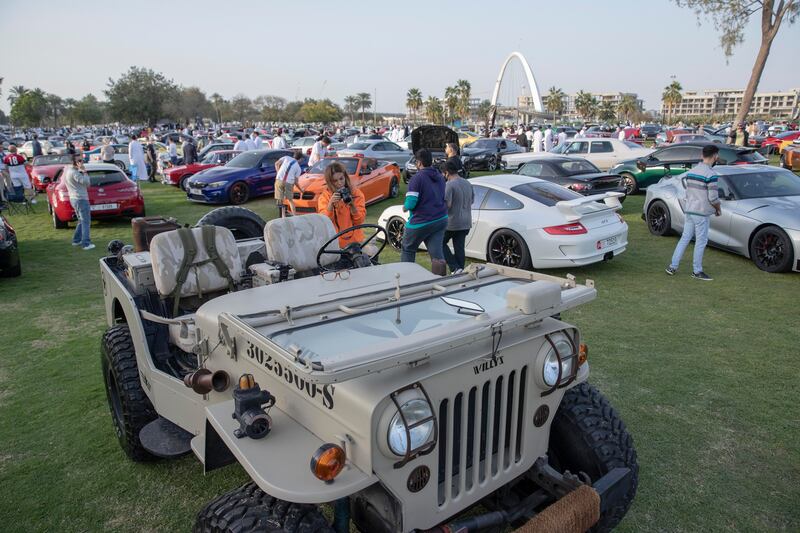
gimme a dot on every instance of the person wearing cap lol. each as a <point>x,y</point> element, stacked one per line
<point>458,195</point>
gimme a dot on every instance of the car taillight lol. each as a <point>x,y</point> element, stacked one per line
<point>358,155</point>
<point>63,196</point>
<point>578,186</point>
<point>742,163</point>
<point>566,229</point>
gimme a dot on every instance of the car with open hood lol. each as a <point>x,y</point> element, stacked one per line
<point>432,138</point>
<point>378,180</point>
<point>488,153</point>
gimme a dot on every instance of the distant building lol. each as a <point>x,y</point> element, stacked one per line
<point>781,104</point>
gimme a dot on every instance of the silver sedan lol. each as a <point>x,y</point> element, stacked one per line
<point>760,214</point>
<point>381,150</point>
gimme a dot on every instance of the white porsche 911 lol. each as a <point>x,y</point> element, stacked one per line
<point>525,222</point>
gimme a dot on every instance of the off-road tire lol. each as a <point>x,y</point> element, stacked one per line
<point>130,407</point>
<point>587,435</point>
<point>243,223</point>
<point>250,509</point>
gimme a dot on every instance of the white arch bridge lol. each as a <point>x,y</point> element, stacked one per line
<point>535,109</point>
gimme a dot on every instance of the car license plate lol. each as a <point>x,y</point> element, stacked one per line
<point>102,207</point>
<point>605,243</point>
<point>194,191</point>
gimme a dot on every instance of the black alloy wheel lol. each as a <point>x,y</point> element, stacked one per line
<point>507,248</point>
<point>394,230</point>
<point>658,219</point>
<point>239,193</point>
<point>631,186</point>
<point>771,250</point>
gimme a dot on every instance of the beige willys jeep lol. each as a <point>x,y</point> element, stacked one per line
<point>401,399</point>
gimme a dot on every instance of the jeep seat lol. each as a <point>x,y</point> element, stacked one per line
<point>167,254</point>
<point>296,240</point>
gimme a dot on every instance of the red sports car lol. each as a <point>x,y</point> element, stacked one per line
<point>774,141</point>
<point>178,176</point>
<point>111,194</point>
<point>44,169</point>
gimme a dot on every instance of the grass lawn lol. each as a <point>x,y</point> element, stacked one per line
<point>704,374</point>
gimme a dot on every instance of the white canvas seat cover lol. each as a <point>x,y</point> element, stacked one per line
<point>166,253</point>
<point>296,241</point>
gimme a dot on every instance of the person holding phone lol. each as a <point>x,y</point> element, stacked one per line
<point>77,181</point>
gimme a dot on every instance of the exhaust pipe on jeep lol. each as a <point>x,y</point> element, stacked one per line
<point>203,381</point>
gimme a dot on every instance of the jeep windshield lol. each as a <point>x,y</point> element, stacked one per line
<point>335,341</point>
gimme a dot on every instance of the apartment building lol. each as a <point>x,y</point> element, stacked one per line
<point>780,104</point>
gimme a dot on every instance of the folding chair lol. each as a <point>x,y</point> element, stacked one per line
<point>18,202</point>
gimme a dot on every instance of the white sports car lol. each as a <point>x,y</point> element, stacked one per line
<point>525,222</point>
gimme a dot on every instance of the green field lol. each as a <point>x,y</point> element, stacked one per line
<point>704,374</point>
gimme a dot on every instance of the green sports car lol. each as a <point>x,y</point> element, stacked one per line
<point>676,159</point>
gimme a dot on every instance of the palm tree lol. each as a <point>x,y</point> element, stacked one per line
<point>554,101</point>
<point>628,104</point>
<point>451,102</point>
<point>216,102</point>
<point>55,107</point>
<point>364,103</point>
<point>585,104</point>
<point>414,102</point>
<point>672,96</point>
<point>433,110</point>
<point>16,92</point>
<point>607,111</point>
<point>464,93</point>
<point>351,105</point>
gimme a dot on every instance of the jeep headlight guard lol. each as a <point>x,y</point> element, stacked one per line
<point>559,360</point>
<point>407,427</point>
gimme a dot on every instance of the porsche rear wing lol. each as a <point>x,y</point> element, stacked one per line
<point>257,338</point>
<point>577,208</point>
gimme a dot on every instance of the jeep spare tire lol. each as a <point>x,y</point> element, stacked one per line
<point>243,223</point>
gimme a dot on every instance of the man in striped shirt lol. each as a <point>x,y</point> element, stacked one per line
<point>702,201</point>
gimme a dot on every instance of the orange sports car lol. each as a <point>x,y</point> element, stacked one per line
<point>378,180</point>
<point>790,157</point>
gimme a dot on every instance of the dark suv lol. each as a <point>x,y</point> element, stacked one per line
<point>676,159</point>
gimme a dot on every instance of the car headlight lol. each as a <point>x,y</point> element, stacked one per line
<point>413,411</point>
<point>550,368</point>
<point>217,184</point>
<point>480,156</point>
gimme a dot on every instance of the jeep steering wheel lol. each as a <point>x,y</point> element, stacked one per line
<point>354,249</point>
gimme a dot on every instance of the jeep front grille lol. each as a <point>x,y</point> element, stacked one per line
<point>480,434</point>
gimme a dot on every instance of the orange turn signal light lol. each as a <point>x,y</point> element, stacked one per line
<point>246,381</point>
<point>583,354</point>
<point>328,461</point>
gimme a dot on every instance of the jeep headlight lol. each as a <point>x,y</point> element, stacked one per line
<point>217,184</point>
<point>561,354</point>
<point>401,428</point>
<point>407,427</point>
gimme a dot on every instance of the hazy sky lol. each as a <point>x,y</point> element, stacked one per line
<point>329,49</point>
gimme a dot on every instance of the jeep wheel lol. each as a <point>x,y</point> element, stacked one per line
<point>131,409</point>
<point>588,436</point>
<point>249,508</point>
<point>243,223</point>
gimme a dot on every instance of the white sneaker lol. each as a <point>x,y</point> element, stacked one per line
<point>89,247</point>
<point>76,244</point>
<point>33,200</point>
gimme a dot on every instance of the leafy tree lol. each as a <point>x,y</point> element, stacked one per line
<point>364,103</point>
<point>292,111</point>
<point>217,104</point>
<point>628,105</point>
<point>434,111</point>
<point>190,103</point>
<point>484,107</point>
<point>607,111</point>
<point>140,96</point>
<point>414,102</point>
<point>55,107</point>
<point>29,108</point>
<point>464,90</point>
<point>271,107</point>
<point>586,105</point>
<point>242,108</point>
<point>554,101</point>
<point>319,111</point>
<point>88,110</point>
<point>671,97</point>
<point>730,18</point>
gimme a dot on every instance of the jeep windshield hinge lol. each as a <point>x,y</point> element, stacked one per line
<point>230,342</point>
